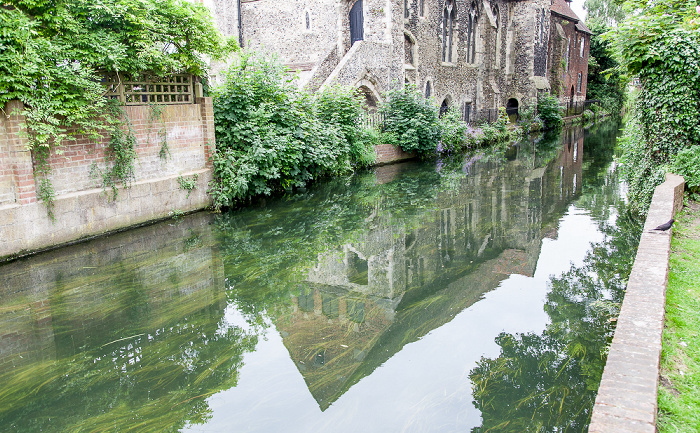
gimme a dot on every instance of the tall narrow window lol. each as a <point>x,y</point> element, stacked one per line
<point>471,33</point>
<point>421,7</point>
<point>568,54</point>
<point>406,14</point>
<point>448,18</point>
<point>356,23</point>
<point>308,21</point>
<point>467,111</point>
<point>428,90</point>
<point>580,82</point>
<point>583,45</point>
<point>542,14</point>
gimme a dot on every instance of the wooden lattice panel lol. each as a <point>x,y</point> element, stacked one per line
<point>173,89</point>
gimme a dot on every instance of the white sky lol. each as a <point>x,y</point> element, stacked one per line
<point>577,7</point>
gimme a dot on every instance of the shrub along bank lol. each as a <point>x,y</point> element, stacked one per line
<point>271,137</point>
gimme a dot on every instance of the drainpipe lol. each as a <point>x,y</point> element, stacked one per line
<point>240,25</point>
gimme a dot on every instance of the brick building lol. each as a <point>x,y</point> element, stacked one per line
<point>476,55</point>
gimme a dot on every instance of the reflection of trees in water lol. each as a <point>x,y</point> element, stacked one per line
<point>548,382</point>
<point>154,381</point>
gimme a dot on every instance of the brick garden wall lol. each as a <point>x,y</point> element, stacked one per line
<point>81,206</point>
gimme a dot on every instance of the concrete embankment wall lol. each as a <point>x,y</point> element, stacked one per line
<point>627,397</point>
<point>82,206</point>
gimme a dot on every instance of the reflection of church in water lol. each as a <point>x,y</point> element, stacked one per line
<point>396,282</point>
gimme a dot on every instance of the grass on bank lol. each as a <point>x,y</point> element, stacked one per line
<point>679,390</point>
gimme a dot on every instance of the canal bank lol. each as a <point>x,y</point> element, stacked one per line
<point>627,397</point>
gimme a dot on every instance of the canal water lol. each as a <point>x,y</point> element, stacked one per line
<point>471,294</point>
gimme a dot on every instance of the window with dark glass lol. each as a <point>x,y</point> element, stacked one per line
<point>448,18</point>
<point>471,32</point>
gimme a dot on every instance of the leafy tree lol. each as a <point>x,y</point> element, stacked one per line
<point>606,13</point>
<point>659,42</point>
<point>605,83</point>
<point>52,54</point>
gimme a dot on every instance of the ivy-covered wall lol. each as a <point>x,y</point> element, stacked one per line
<point>172,142</point>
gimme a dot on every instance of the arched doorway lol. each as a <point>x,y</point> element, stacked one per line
<point>357,23</point>
<point>512,110</point>
<point>444,107</point>
<point>370,99</point>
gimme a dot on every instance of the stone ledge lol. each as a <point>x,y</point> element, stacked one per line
<point>627,397</point>
<point>87,214</point>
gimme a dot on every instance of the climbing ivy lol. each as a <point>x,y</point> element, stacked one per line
<point>659,43</point>
<point>53,54</point>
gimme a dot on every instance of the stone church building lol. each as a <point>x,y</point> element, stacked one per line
<point>476,55</point>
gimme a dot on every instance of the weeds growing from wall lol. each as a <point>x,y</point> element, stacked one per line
<point>188,183</point>
<point>120,153</point>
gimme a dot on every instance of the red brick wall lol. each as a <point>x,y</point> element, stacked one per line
<point>185,138</point>
<point>81,209</point>
<point>189,137</point>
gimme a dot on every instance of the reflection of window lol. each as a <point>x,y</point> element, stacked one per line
<point>329,305</point>
<point>580,81</point>
<point>357,269</point>
<point>471,33</point>
<point>306,300</point>
<point>356,311</point>
<point>448,18</point>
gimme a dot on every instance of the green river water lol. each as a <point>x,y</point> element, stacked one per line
<point>474,294</point>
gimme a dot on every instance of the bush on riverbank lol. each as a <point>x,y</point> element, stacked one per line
<point>413,120</point>
<point>549,112</point>
<point>271,137</point>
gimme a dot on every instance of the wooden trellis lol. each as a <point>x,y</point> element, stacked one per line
<point>172,89</point>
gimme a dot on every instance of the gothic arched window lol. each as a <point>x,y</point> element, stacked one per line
<point>471,33</point>
<point>448,19</point>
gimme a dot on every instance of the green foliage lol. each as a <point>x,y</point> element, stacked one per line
<point>549,111</point>
<point>529,120</point>
<point>413,119</point>
<point>271,137</point>
<point>188,184</point>
<point>454,133</point>
<point>687,163</point>
<point>638,167</point>
<point>605,82</point>
<point>659,43</point>
<point>52,55</point>
<point>603,12</point>
<point>155,114</point>
<point>341,107</point>
<point>120,153</point>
